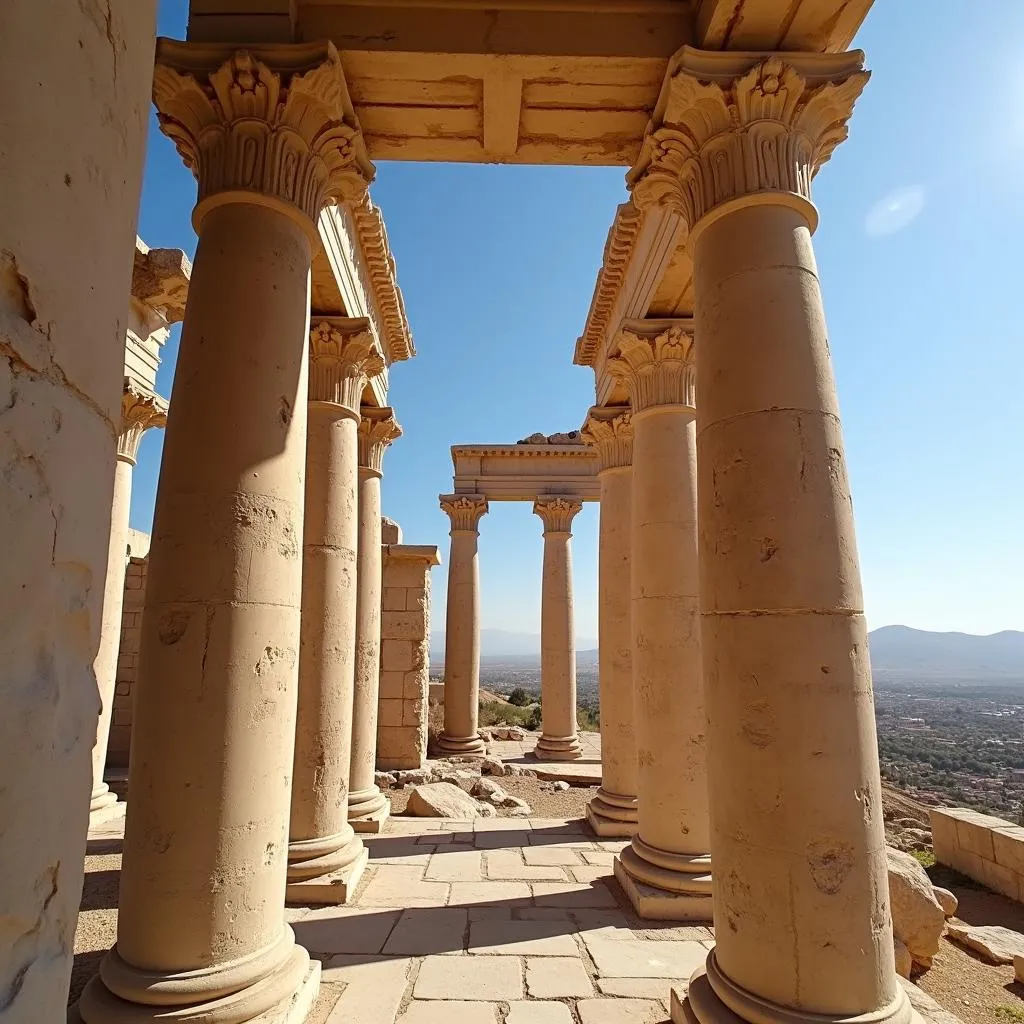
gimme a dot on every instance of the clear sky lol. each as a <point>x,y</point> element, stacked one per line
<point>920,253</point>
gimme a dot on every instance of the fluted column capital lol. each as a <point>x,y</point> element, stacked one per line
<point>557,513</point>
<point>742,128</point>
<point>140,410</point>
<point>465,511</point>
<point>655,363</point>
<point>342,358</point>
<point>378,428</point>
<point>273,125</point>
<point>609,431</point>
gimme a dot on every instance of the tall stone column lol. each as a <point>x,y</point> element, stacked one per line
<point>325,856</point>
<point>559,740</point>
<point>804,928</point>
<point>462,627</point>
<point>139,410</point>
<point>613,809</point>
<point>368,808</point>
<point>201,932</point>
<point>666,871</point>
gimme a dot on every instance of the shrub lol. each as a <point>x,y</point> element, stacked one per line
<point>520,698</point>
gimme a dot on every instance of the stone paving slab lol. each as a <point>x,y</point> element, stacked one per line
<point>428,931</point>
<point>621,1011</point>
<point>643,958</point>
<point>477,978</point>
<point>558,978</point>
<point>332,930</point>
<point>537,1012</point>
<point>448,1012</point>
<point>522,938</point>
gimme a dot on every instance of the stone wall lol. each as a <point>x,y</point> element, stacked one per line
<point>128,656</point>
<point>980,846</point>
<point>404,655</point>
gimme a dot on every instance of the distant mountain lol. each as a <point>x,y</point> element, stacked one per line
<point>899,652</point>
<point>503,644</point>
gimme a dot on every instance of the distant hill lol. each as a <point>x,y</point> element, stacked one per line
<point>899,652</point>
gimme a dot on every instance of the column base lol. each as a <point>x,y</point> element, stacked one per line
<point>658,893</point>
<point>285,996</point>
<point>711,998</point>
<point>368,810</point>
<point>468,746</point>
<point>111,810</point>
<point>335,887</point>
<point>558,748</point>
<point>612,815</point>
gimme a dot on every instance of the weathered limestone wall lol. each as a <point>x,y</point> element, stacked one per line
<point>72,141</point>
<point>405,654</point>
<point>980,846</point>
<point>128,656</point>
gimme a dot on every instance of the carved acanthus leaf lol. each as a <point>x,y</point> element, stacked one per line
<point>609,431</point>
<point>464,510</point>
<point>656,368</point>
<point>723,133</point>
<point>342,358</point>
<point>140,410</point>
<point>557,512</point>
<point>378,428</point>
<point>276,121</point>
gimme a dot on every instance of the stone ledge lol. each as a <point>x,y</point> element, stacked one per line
<point>986,849</point>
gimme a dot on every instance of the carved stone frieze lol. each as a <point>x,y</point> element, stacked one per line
<point>465,511</point>
<point>656,364</point>
<point>557,512</point>
<point>609,431</point>
<point>275,121</point>
<point>140,410</point>
<point>342,358</point>
<point>378,428</point>
<point>732,126</point>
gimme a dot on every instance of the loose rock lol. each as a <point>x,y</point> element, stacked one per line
<point>486,789</point>
<point>442,800</point>
<point>996,944</point>
<point>560,786</point>
<point>946,899</point>
<point>917,917</point>
<point>492,765</point>
<point>384,780</point>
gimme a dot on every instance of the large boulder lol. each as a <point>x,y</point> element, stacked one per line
<point>994,943</point>
<point>442,800</point>
<point>917,917</point>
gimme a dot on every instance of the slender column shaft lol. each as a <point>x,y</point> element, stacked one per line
<point>110,631</point>
<point>203,878</point>
<point>796,797</point>
<point>365,797</point>
<point>559,740</point>
<point>462,628</point>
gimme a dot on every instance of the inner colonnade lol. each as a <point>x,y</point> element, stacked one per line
<point>735,685</point>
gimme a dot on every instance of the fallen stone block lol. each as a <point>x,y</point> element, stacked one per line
<point>917,916</point>
<point>994,943</point>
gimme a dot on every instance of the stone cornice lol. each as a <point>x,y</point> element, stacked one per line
<point>428,554</point>
<point>380,266</point>
<point>557,512</point>
<point>160,279</point>
<point>273,122</point>
<point>754,127</point>
<point>140,410</point>
<point>513,451</point>
<point>464,511</point>
<point>655,363</point>
<point>618,251</point>
<point>609,431</point>
<point>342,358</point>
<point>378,428</point>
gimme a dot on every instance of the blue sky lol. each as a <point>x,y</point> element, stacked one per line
<point>919,251</point>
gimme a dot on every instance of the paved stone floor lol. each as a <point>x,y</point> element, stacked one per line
<point>493,921</point>
<point>585,771</point>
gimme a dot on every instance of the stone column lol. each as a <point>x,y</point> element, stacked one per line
<point>666,871</point>
<point>139,411</point>
<point>325,857</point>
<point>559,740</point>
<point>803,922</point>
<point>462,627</point>
<point>201,931</point>
<point>368,808</point>
<point>74,141</point>
<point>613,810</point>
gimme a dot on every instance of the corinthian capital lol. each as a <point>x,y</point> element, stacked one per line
<point>465,511</point>
<point>273,122</point>
<point>557,512</point>
<point>744,126</point>
<point>377,429</point>
<point>655,363</point>
<point>140,410</point>
<point>342,358</point>
<point>609,431</point>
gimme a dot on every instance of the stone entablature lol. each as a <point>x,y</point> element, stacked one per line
<point>160,280</point>
<point>524,472</point>
<point>980,846</point>
<point>404,654</point>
